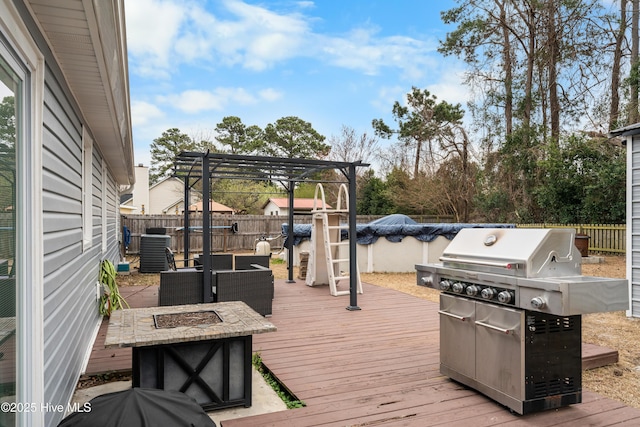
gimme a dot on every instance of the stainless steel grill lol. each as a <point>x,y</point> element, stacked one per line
<point>510,307</point>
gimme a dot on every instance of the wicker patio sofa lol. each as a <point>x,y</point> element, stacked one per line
<point>253,286</point>
<point>245,262</point>
<point>219,261</point>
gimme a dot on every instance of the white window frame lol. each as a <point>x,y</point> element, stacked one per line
<point>87,190</point>
<point>29,223</point>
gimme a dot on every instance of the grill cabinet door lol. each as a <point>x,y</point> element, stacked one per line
<point>499,348</point>
<point>457,334</point>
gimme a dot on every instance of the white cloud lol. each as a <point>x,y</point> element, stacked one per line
<point>270,94</point>
<point>387,96</point>
<point>257,38</point>
<point>450,87</point>
<point>184,32</point>
<point>363,50</point>
<point>149,40</point>
<point>306,4</point>
<point>143,113</point>
<point>196,101</point>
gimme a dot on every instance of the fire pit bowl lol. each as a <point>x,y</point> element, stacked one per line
<point>193,318</point>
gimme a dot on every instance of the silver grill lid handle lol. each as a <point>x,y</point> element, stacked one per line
<point>509,265</point>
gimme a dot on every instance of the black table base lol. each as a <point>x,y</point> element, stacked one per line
<point>216,373</point>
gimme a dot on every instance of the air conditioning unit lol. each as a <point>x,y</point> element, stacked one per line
<point>153,258</point>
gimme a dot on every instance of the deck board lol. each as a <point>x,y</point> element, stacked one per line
<point>380,366</point>
<point>377,366</point>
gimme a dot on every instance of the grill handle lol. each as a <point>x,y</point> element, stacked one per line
<point>507,265</point>
<point>455,316</point>
<point>495,328</point>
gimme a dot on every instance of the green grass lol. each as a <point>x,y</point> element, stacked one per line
<point>288,398</point>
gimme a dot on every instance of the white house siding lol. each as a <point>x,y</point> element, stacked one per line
<point>70,274</point>
<point>57,299</point>
<point>165,195</point>
<point>273,209</point>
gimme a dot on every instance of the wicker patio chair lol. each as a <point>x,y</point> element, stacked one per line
<point>179,287</point>
<point>244,262</point>
<point>171,259</point>
<point>254,287</point>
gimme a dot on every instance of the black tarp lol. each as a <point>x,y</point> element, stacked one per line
<point>138,407</point>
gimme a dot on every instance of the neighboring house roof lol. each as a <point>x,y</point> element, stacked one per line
<point>92,53</point>
<point>298,203</point>
<point>127,209</point>
<point>174,206</point>
<point>215,207</point>
<point>633,129</point>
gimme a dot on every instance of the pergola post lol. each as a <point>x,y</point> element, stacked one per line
<point>291,188</point>
<point>206,230</point>
<point>185,234</point>
<point>353,257</point>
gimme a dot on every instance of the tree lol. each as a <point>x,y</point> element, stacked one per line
<point>537,60</point>
<point>411,195</point>
<point>421,122</point>
<point>7,122</point>
<point>635,63</point>
<point>374,196</point>
<point>583,180</point>
<point>292,137</point>
<point>8,154</point>
<point>245,197</point>
<point>614,108</point>
<point>479,35</point>
<point>237,137</point>
<point>351,147</point>
<point>164,150</point>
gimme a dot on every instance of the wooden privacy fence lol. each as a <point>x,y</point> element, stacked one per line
<point>250,228</point>
<point>223,238</point>
<point>603,238</point>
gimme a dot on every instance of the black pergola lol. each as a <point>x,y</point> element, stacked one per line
<point>196,167</point>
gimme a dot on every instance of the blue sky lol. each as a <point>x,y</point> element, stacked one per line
<point>331,63</point>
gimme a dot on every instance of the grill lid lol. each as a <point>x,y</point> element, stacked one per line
<point>520,252</point>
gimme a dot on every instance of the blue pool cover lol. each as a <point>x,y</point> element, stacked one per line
<point>394,228</point>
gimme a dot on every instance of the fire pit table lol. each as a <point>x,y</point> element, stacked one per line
<point>202,350</point>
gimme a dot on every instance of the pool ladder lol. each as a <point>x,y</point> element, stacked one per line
<point>327,243</point>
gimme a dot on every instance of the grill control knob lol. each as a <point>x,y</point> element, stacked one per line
<point>538,303</point>
<point>458,287</point>
<point>488,293</point>
<point>445,285</point>
<point>505,297</point>
<point>472,290</point>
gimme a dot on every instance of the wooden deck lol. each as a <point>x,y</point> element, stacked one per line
<point>377,366</point>
<point>109,360</point>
